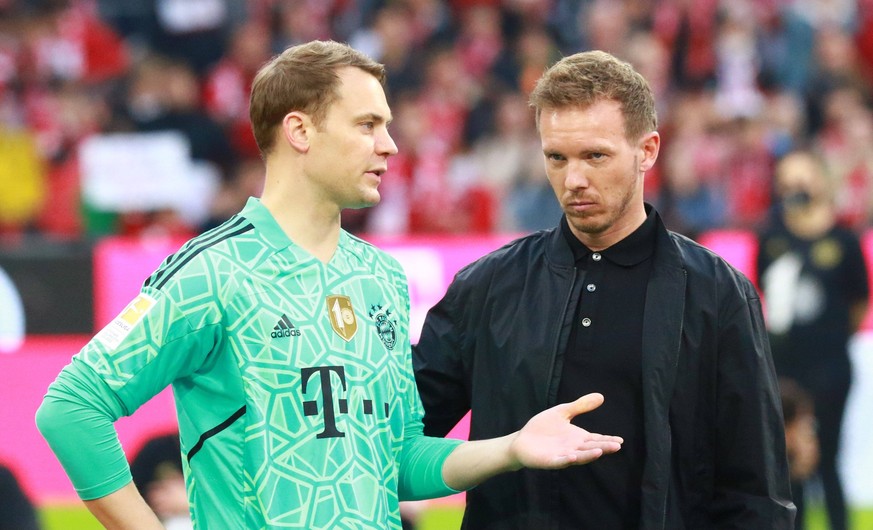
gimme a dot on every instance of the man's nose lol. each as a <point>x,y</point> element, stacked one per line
<point>385,145</point>
<point>576,177</point>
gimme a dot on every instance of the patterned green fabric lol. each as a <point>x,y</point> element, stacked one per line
<point>293,382</point>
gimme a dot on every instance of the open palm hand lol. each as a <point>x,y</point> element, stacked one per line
<point>550,441</point>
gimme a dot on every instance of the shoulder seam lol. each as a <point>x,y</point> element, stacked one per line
<point>195,247</point>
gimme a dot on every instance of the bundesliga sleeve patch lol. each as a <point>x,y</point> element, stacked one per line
<point>114,332</point>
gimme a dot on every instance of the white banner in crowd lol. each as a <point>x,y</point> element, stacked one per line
<point>128,172</point>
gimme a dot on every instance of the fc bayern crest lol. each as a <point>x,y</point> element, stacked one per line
<point>385,328</point>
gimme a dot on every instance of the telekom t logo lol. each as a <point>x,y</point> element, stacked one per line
<point>310,408</point>
<point>330,410</point>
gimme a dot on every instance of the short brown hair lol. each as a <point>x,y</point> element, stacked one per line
<point>302,78</point>
<point>582,79</point>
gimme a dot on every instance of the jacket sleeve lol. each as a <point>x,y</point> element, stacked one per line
<point>751,468</point>
<point>439,368</point>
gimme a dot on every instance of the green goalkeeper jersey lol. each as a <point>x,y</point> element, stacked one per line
<point>293,383</point>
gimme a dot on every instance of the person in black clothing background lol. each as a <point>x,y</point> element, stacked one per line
<point>613,302</point>
<point>813,278</point>
<point>17,511</point>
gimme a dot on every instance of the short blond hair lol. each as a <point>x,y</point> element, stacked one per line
<point>582,79</point>
<point>302,78</point>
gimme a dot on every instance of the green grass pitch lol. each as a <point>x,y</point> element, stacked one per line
<point>76,517</point>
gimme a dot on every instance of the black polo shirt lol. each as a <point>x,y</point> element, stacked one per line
<point>604,354</point>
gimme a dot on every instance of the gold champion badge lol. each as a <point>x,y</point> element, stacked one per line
<point>342,316</point>
<point>826,254</point>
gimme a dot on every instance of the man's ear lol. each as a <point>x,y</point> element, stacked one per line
<point>296,127</point>
<point>651,145</point>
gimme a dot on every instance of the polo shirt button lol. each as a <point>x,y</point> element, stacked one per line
<point>586,322</point>
<point>596,256</point>
<point>591,287</point>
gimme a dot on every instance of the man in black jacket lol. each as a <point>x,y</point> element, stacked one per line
<point>611,301</point>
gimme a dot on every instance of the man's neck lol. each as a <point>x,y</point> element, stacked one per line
<point>307,220</point>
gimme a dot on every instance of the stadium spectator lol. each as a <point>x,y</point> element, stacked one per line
<point>391,40</point>
<point>166,96</point>
<point>228,84</point>
<point>842,141</point>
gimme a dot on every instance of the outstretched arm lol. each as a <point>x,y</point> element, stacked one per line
<point>547,441</point>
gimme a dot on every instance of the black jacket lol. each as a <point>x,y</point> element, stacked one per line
<point>715,442</point>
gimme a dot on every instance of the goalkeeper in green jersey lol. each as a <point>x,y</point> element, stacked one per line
<point>286,342</point>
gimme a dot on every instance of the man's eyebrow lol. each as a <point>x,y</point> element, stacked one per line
<point>373,116</point>
<point>551,148</point>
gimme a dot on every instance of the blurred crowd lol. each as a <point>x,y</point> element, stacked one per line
<point>738,82</point>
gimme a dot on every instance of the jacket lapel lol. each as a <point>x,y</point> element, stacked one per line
<point>662,335</point>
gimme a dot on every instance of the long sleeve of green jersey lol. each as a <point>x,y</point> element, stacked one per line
<point>113,375</point>
<point>421,466</point>
<point>422,457</point>
<point>76,420</point>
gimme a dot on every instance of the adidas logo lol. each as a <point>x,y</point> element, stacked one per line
<point>284,328</point>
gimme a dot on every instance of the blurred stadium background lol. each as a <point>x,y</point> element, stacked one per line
<point>123,131</point>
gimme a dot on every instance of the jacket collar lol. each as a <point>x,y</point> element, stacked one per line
<point>560,253</point>
<point>632,250</point>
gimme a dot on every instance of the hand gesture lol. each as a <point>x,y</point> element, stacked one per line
<point>550,441</point>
